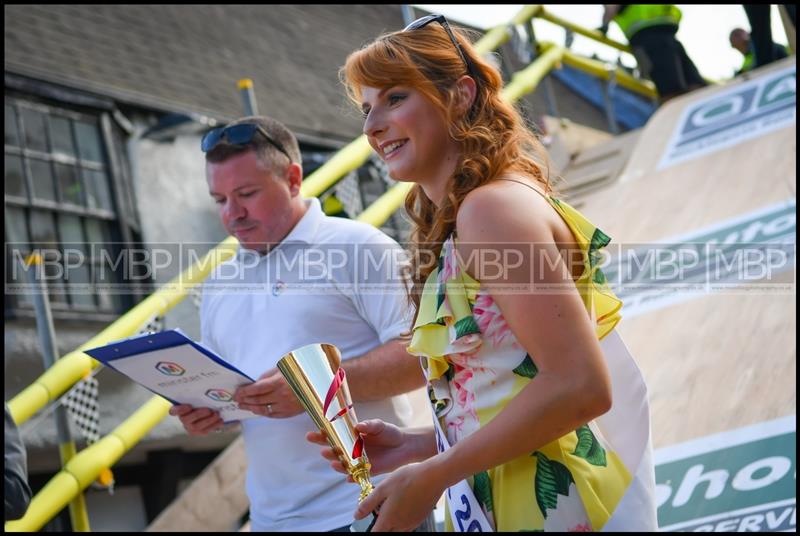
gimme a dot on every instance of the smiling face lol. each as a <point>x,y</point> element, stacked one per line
<point>410,134</point>
<point>255,205</point>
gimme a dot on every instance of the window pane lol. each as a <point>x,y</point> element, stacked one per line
<point>88,141</point>
<point>42,176</point>
<point>43,229</point>
<point>15,183</point>
<point>12,136</point>
<point>103,282</point>
<point>17,249</point>
<point>104,263</point>
<point>97,190</point>
<point>97,232</point>
<point>71,232</point>
<point>61,136</point>
<point>33,126</point>
<point>15,225</point>
<point>69,184</point>
<point>76,261</point>
<point>127,193</point>
<point>43,237</point>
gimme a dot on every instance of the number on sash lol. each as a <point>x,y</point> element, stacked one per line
<point>464,515</point>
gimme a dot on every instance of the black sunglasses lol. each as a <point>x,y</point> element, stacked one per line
<point>427,19</point>
<point>241,134</point>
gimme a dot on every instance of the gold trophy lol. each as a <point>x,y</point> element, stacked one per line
<point>319,383</point>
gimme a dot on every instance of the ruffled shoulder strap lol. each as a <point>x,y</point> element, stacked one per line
<point>600,301</point>
<point>445,324</point>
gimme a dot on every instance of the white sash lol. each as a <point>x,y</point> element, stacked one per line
<point>465,510</point>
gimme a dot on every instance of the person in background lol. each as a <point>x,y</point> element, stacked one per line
<point>651,31</point>
<point>740,40</point>
<point>17,491</point>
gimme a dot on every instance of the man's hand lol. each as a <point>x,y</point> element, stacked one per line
<point>197,421</point>
<point>269,396</point>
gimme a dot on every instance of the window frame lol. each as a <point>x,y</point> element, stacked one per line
<point>122,220</point>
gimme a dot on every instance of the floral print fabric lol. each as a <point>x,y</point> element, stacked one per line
<point>475,367</point>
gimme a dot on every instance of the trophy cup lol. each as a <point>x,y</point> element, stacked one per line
<point>314,375</point>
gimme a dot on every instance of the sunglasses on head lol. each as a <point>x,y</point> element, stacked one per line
<point>241,134</point>
<point>427,19</point>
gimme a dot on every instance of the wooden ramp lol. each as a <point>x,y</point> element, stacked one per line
<point>720,360</point>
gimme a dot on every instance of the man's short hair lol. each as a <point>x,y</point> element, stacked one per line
<point>738,32</point>
<point>267,153</point>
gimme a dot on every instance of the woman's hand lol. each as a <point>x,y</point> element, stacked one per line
<point>387,446</point>
<point>405,498</point>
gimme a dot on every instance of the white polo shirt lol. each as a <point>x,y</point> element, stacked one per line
<point>330,280</point>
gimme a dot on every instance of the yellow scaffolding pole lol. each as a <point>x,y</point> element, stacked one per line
<point>591,34</point>
<point>85,467</point>
<point>606,71</point>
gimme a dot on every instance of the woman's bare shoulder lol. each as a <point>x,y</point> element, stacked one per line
<point>504,206</point>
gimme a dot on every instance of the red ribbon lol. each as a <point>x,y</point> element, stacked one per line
<point>336,384</point>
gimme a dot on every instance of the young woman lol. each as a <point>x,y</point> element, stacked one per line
<point>542,416</point>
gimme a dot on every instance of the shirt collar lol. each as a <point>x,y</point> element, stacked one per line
<point>304,231</point>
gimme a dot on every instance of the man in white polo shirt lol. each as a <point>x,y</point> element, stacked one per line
<point>299,277</point>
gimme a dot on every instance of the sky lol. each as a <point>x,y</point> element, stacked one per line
<point>703,31</point>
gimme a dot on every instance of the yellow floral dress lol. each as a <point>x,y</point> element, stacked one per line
<point>475,367</point>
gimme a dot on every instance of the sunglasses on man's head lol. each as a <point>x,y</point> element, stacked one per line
<point>241,134</point>
<point>427,19</point>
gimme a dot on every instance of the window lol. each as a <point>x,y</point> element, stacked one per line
<point>59,199</point>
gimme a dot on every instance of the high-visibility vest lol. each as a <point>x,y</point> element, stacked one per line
<point>749,59</point>
<point>637,17</point>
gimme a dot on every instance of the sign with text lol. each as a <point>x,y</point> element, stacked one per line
<point>746,254</point>
<point>738,481</point>
<point>745,111</point>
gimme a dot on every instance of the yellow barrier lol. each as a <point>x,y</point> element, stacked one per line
<point>605,71</point>
<point>591,34</point>
<point>85,467</point>
<point>350,157</point>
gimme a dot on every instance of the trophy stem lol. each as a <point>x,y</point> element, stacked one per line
<point>361,475</point>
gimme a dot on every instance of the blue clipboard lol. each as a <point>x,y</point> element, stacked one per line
<point>173,366</point>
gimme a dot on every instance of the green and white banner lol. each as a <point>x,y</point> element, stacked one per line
<point>743,480</point>
<point>746,254</point>
<point>745,111</point>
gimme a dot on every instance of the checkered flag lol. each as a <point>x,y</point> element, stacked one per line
<point>155,323</point>
<point>81,402</point>
<point>348,193</point>
<point>196,293</point>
